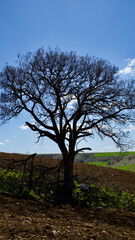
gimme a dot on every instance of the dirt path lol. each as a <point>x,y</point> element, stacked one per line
<point>32,220</point>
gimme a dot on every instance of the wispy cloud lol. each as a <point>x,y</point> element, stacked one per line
<point>24,127</point>
<point>131,128</point>
<point>36,146</point>
<point>130,68</point>
<point>1,143</point>
<point>7,140</point>
<point>109,147</point>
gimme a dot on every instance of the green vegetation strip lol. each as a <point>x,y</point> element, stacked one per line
<point>105,154</point>
<point>98,196</point>
<point>85,195</point>
<point>130,168</point>
<point>102,164</point>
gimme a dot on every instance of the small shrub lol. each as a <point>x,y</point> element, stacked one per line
<point>97,196</point>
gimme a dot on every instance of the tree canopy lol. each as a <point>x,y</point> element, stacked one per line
<point>70,97</point>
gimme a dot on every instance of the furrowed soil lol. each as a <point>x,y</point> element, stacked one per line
<point>38,219</point>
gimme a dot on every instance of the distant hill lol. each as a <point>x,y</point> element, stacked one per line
<point>120,160</point>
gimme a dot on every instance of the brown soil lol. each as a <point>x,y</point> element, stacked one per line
<point>106,176</point>
<point>38,220</point>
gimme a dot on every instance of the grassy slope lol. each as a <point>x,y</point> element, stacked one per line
<point>119,160</point>
<point>104,154</point>
<point>130,168</point>
<point>102,164</point>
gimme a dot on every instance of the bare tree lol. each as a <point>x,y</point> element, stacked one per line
<point>70,97</point>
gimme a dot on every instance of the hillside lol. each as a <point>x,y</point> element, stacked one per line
<point>37,219</point>
<point>90,174</point>
<point>119,160</point>
<point>111,157</point>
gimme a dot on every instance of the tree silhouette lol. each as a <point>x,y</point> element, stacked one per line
<point>71,98</point>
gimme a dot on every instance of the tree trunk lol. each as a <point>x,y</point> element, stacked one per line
<point>66,193</point>
<point>68,179</point>
<point>68,187</point>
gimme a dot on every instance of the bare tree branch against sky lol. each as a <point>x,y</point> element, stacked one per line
<point>101,28</point>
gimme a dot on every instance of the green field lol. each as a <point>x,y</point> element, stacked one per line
<point>118,160</point>
<point>130,168</point>
<point>105,154</point>
<point>102,164</point>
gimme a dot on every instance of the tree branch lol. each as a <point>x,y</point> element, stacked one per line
<point>41,132</point>
<point>82,149</point>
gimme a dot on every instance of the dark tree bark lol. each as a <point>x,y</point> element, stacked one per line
<point>68,178</point>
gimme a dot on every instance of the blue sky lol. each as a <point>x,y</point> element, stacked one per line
<point>103,28</point>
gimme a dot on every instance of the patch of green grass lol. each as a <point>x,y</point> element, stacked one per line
<point>105,154</point>
<point>92,196</point>
<point>130,168</point>
<point>10,181</point>
<point>23,184</point>
<point>102,164</point>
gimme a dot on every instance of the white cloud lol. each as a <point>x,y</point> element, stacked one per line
<point>24,127</point>
<point>1,143</point>
<point>41,127</point>
<point>7,140</point>
<point>36,147</point>
<point>72,102</point>
<point>130,68</point>
<point>131,128</point>
<point>126,130</point>
<point>126,70</point>
<point>131,62</point>
<point>109,147</point>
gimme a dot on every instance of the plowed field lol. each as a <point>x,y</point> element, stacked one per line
<point>37,219</point>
